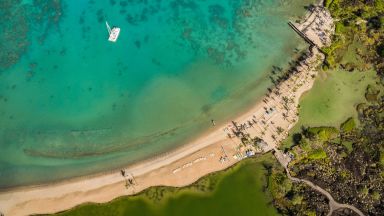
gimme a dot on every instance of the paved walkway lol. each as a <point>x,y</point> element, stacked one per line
<point>333,205</point>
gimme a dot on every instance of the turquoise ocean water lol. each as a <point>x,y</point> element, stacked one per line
<point>72,103</point>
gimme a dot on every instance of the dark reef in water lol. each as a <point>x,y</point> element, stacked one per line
<point>18,20</point>
<point>14,27</point>
<point>222,28</point>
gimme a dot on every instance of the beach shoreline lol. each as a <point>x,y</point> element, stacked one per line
<point>213,151</point>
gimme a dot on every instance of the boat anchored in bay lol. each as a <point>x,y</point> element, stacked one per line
<point>113,32</point>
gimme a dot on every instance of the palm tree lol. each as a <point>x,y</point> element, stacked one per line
<point>285,99</point>
<point>285,116</point>
<point>273,137</point>
<point>279,130</point>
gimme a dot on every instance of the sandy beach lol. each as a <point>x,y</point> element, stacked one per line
<point>269,119</point>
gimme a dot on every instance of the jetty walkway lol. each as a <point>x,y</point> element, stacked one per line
<point>316,29</point>
<point>301,34</point>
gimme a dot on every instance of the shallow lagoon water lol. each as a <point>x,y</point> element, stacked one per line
<point>72,103</point>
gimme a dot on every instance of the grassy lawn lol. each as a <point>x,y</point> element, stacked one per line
<point>333,99</point>
<point>237,191</point>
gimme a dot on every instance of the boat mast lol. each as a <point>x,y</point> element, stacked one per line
<point>109,28</point>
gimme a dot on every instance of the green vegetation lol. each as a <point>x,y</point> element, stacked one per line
<point>237,191</point>
<point>322,133</point>
<point>348,145</point>
<point>380,50</point>
<point>349,163</point>
<point>293,198</point>
<point>332,99</point>
<point>317,154</point>
<point>382,159</point>
<point>348,125</point>
<point>357,20</point>
<point>245,189</point>
<point>279,184</point>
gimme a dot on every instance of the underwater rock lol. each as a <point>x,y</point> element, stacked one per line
<point>18,19</point>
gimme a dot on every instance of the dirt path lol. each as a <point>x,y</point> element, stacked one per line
<point>333,205</point>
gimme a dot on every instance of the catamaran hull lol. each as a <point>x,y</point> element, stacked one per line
<point>114,34</point>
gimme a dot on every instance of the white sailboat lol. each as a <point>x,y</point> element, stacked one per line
<point>113,32</point>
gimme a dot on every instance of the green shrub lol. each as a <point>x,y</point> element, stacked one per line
<point>317,154</point>
<point>340,28</point>
<point>380,50</point>
<point>327,3</point>
<point>348,125</point>
<point>324,133</point>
